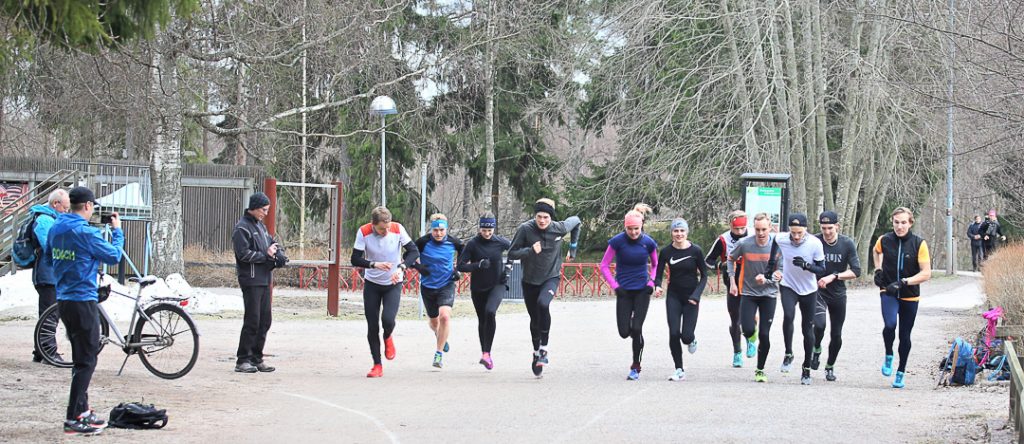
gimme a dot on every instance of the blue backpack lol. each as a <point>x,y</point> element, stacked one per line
<point>960,361</point>
<point>23,252</point>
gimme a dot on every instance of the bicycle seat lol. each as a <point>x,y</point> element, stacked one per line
<point>143,281</point>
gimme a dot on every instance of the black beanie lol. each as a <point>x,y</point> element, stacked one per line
<point>258,200</point>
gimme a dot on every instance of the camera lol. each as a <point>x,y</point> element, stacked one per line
<point>106,219</point>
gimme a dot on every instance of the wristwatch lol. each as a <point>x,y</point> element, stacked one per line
<point>836,275</point>
<point>402,266</point>
<point>373,264</point>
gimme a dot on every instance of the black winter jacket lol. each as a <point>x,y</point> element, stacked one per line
<point>250,241</point>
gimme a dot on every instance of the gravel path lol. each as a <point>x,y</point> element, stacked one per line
<point>320,392</point>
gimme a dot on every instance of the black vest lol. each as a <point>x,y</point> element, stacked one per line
<point>892,248</point>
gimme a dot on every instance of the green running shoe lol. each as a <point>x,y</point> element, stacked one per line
<point>759,376</point>
<point>437,359</point>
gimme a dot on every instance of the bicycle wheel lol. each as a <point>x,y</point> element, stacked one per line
<point>51,338</point>
<point>169,343</point>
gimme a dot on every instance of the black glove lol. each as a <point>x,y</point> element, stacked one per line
<point>456,276</point>
<point>620,292</point>
<point>649,290</point>
<point>424,271</point>
<point>800,262</point>
<point>880,279</point>
<point>506,273</point>
<point>485,263</point>
<point>894,288</point>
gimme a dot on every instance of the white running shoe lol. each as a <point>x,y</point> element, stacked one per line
<point>679,375</point>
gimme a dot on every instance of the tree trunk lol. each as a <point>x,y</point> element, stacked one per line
<point>740,87</point>
<point>820,121</point>
<point>240,146</point>
<point>166,165</point>
<point>489,105</point>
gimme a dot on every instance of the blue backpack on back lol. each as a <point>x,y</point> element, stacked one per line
<point>23,252</point>
<point>960,361</point>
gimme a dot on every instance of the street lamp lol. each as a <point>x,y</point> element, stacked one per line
<point>382,106</point>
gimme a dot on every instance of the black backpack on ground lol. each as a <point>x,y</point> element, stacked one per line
<point>135,415</point>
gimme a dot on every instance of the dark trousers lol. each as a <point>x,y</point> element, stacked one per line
<point>977,255</point>
<point>380,306</point>
<point>47,297</point>
<point>750,308</point>
<point>682,321</point>
<point>835,309</point>
<point>255,324</point>
<point>82,321</point>
<point>897,313</point>
<point>538,305</point>
<point>790,300</point>
<point>486,305</point>
<point>732,304</point>
<point>630,312</point>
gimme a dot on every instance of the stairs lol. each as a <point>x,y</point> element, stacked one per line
<point>13,214</point>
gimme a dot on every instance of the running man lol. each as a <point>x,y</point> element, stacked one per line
<point>378,249</point>
<point>802,257</point>
<point>756,290</point>
<point>719,257</point>
<point>538,244</point>
<point>636,258</point>
<point>904,265</point>
<point>841,264</point>
<point>438,279</point>
<point>687,278</point>
<point>482,258</point>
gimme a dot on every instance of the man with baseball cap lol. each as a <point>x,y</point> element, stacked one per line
<point>76,250</point>
<point>841,264</point>
<point>802,258</point>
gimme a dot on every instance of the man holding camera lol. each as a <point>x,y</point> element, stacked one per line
<point>75,251</point>
<point>256,256</point>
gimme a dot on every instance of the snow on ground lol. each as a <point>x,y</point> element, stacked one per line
<point>18,297</point>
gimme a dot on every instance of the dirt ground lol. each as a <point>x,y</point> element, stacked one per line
<point>320,391</point>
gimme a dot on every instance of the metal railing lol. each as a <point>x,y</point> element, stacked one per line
<point>1016,387</point>
<point>13,214</point>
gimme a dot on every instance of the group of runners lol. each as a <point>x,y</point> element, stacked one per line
<point>807,272</point>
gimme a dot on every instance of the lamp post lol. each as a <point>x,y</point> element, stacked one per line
<point>382,106</point>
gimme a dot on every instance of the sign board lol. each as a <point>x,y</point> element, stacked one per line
<point>763,200</point>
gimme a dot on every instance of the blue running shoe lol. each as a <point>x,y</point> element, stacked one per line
<point>446,346</point>
<point>437,359</point>
<point>737,359</point>
<point>752,346</point>
<point>898,382</point>
<point>887,366</point>
<point>634,374</point>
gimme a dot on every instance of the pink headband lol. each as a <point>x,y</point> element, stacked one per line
<point>634,220</point>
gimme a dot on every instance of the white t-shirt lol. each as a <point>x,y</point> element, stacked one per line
<point>799,280</point>
<point>386,248</point>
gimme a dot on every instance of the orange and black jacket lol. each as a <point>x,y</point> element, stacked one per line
<point>902,258</point>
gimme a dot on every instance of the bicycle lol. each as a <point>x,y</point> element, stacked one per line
<point>164,336</point>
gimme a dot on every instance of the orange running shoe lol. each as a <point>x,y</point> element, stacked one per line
<point>376,372</point>
<point>389,348</point>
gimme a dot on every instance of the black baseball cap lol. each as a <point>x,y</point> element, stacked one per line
<point>80,195</point>
<point>828,217</point>
<point>798,220</point>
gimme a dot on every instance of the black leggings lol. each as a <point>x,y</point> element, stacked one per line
<point>836,308</point>
<point>375,296</point>
<point>255,324</point>
<point>486,304</point>
<point>679,308</point>
<point>750,307</point>
<point>894,309</point>
<point>630,313</point>
<point>538,302</point>
<point>732,303</point>
<point>790,299</point>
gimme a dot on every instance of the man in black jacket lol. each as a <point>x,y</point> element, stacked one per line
<point>974,234</point>
<point>256,256</point>
<point>991,233</point>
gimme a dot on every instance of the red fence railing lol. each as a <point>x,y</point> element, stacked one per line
<point>578,279</point>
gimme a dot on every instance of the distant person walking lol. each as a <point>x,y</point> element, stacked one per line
<point>42,271</point>
<point>991,234</point>
<point>974,234</point>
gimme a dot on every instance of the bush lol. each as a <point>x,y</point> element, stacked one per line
<point>1004,282</point>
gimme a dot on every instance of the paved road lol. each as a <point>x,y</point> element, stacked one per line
<point>320,392</point>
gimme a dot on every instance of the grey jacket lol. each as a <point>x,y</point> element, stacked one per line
<point>538,268</point>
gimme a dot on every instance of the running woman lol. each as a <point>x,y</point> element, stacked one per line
<point>756,288</point>
<point>437,280</point>
<point>482,258</point>
<point>687,278</point>
<point>802,257</point>
<point>538,244</point>
<point>719,257</point>
<point>378,249</point>
<point>841,264</point>
<point>636,258</point>
<point>904,265</point>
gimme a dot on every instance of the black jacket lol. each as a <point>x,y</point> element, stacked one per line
<point>250,241</point>
<point>893,269</point>
<point>478,249</point>
<point>975,229</point>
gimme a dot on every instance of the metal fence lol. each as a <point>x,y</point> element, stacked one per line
<point>1016,386</point>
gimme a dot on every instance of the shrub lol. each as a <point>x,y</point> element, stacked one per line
<point>1004,282</point>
